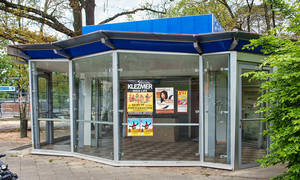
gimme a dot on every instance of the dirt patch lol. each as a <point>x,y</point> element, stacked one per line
<point>14,136</point>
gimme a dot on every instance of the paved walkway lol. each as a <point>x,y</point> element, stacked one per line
<point>38,167</point>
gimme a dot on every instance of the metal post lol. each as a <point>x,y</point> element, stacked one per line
<point>116,102</point>
<point>98,127</point>
<point>31,100</point>
<point>81,108</point>
<point>49,124</point>
<point>233,102</point>
<point>35,107</point>
<point>72,109</point>
<point>228,134</point>
<point>201,106</point>
<point>190,107</point>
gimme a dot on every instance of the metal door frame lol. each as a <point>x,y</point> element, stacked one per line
<point>241,67</point>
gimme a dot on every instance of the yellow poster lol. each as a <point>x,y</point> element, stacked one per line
<point>133,127</point>
<point>182,101</point>
<point>146,126</point>
<point>139,102</point>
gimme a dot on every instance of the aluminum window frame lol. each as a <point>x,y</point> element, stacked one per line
<point>116,120</point>
<point>36,135</point>
<point>250,66</point>
<point>232,65</point>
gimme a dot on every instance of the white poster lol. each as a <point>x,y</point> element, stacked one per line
<point>164,100</point>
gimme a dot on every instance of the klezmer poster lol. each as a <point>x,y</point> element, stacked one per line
<point>140,97</point>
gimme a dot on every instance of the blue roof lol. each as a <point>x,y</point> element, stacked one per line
<point>169,35</point>
<point>177,25</point>
<point>101,41</point>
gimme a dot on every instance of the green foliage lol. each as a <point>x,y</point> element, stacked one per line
<point>282,95</point>
<point>13,73</point>
<point>196,7</point>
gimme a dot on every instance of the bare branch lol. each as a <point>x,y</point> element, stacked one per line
<point>22,11</point>
<point>130,12</point>
<point>224,2</point>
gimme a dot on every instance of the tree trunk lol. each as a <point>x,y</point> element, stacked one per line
<point>23,127</point>
<point>77,24</point>
<point>22,112</point>
<point>267,17</point>
<point>90,12</point>
<point>248,23</point>
<point>273,16</point>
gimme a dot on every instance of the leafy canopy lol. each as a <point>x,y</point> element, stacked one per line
<point>282,93</point>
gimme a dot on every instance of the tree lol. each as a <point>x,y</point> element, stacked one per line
<point>53,13</point>
<point>15,74</point>
<point>240,15</point>
<point>21,20</point>
<point>282,92</point>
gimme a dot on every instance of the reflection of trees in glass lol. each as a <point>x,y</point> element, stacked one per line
<point>60,90</point>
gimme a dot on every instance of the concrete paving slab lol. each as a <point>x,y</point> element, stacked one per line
<point>40,167</point>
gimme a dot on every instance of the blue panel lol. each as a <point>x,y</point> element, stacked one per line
<point>154,46</point>
<point>216,46</point>
<point>178,25</point>
<point>87,49</point>
<point>127,44</point>
<point>217,26</point>
<point>42,54</point>
<point>242,43</point>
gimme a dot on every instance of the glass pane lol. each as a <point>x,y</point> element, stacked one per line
<point>53,102</point>
<point>42,95</point>
<point>167,144</point>
<point>61,135</point>
<point>216,108</point>
<point>254,143</point>
<point>159,89</point>
<point>93,102</point>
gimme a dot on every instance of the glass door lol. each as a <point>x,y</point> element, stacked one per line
<point>93,102</point>
<point>252,141</point>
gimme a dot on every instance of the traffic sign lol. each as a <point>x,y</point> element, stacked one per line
<point>7,88</point>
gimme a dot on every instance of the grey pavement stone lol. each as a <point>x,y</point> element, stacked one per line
<point>39,167</point>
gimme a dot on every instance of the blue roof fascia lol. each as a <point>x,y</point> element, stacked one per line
<point>93,43</point>
<point>242,43</point>
<point>177,25</point>
<point>42,54</point>
<point>143,45</point>
<point>135,45</point>
<point>87,49</point>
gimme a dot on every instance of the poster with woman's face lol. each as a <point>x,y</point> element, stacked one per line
<point>164,100</point>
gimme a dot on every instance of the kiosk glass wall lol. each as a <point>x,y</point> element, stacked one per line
<point>159,99</point>
<point>216,108</point>
<point>53,121</point>
<point>172,107</point>
<point>93,106</point>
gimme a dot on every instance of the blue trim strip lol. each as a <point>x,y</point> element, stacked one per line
<point>142,45</point>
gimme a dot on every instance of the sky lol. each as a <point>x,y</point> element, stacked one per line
<point>108,8</point>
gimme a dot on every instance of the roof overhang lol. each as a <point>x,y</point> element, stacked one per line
<point>101,41</point>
